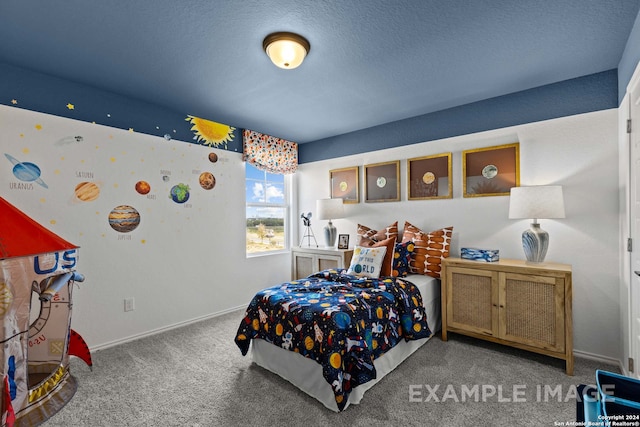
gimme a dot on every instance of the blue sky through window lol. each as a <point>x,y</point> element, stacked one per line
<point>267,188</point>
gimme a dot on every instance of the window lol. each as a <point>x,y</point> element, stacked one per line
<point>267,207</point>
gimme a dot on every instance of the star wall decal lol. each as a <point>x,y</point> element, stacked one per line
<point>70,106</point>
<point>14,101</point>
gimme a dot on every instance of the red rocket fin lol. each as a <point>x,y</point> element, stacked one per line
<point>8,416</point>
<point>79,348</point>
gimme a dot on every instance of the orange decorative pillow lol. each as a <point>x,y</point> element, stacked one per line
<point>429,248</point>
<point>369,233</point>
<point>386,269</point>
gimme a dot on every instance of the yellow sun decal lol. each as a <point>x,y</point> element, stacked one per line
<point>210,133</point>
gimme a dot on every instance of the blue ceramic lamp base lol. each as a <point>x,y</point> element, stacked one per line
<point>535,242</point>
<point>330,234</point>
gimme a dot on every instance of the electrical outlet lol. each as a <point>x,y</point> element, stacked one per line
<point>129,304</point>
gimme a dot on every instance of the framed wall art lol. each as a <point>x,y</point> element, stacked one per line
<point>491,171</point>
<point>382,182</point>
<point>343,241</point>
<point>429,177</point>
<point>345,184</point>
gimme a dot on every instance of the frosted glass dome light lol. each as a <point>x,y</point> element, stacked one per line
<point>286,50</point>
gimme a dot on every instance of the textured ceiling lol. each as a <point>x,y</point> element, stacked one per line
<point>370,62</point>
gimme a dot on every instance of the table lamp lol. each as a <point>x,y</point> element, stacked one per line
<point>536,202</point>
<point>330,209</point>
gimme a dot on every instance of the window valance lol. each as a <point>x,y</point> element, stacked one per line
<point>268,153</point>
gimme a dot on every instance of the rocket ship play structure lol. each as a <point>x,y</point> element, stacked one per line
<point>37,272</point>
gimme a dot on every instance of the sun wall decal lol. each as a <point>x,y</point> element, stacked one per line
<point>210,133</point>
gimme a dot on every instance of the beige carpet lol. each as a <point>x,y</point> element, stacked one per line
<point>196,376</point>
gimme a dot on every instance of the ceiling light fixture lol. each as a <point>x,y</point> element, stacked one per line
<point>286,50</point>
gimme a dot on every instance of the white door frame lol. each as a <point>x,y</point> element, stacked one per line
<point>630,280</point>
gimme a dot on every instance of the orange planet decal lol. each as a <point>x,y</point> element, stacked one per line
<point>87,191</point>
<point>207,180</point>
<point>213,157</point>
<point>143,187</point>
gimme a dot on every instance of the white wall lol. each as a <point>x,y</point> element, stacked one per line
<point>183,262</point>
<point>579,152</point>
<point>188,263</point>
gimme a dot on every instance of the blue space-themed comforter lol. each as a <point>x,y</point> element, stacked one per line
<point>340,321</point>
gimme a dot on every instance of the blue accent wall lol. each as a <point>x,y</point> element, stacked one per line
<point>581,95</point>
<point>629,60</point>
<point>47,94</point>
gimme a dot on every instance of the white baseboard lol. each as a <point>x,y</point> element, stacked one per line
<point>600,358</point>
<point>163,329</point>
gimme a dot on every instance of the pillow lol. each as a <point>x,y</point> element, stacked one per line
<point>430,248</point>
<point>390,231</point>
<point>366,261</point>
<point>386,269</point>
<point>401,259</point>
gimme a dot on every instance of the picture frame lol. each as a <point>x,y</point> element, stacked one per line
<point>382,182</point>
<point>343,241</point>
<point>491,171</point>
<point>429,177</point>
<point>345,184</point>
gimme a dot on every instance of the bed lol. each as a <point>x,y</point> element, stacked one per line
<point>352,331</point>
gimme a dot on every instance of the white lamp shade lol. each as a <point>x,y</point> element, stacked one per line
<point>330,209</point>
<point>544,201</point>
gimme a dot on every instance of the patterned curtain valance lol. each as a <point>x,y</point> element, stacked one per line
<point>268,153</point>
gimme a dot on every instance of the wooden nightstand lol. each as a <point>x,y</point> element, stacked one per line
<point>510,302</point>
<point>306,261</point>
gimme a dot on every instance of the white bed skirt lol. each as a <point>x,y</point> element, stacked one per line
<point>306,374</point>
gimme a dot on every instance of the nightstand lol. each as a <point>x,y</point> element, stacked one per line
<point>510,302</point>
<point>306,261</point>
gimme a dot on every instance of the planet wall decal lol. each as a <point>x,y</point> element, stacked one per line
<point>213,157</point>
<point>124,218</point>
<point>207,180</point>
<point>26,171</point>
<point>143,187</point>
<point>87,191</point>
<point>179,193</point>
